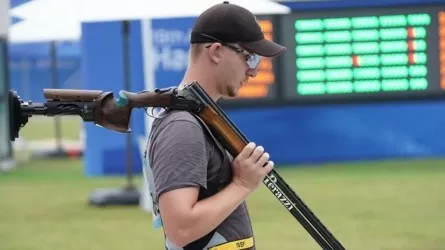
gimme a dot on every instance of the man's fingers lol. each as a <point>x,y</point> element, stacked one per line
<point>268,167</point>
<point>257,153</point>
<point>263,159</point>
<point>247,151</point>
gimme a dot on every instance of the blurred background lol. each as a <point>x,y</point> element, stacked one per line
<point>352,115</point>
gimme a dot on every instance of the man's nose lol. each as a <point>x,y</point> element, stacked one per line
<point>252,72</point>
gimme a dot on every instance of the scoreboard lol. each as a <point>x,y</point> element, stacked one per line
<point>350,56</point>
<point>360,55</point>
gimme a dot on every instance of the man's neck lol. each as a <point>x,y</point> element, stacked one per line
<point>205,81</point>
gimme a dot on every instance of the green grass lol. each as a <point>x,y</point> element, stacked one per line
<point>391,205</point>
<point>42,128</point>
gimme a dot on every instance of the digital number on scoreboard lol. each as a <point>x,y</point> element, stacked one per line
<point>391,52</point>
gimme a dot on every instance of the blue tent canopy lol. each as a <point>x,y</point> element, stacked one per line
<point>68,49</point>
<point>30,64</point>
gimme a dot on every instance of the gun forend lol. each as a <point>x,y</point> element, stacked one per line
<point>71,94</point>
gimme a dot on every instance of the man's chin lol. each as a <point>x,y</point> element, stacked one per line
<point>233,94</point>
<point>230,93</point>
<point>229,96</point>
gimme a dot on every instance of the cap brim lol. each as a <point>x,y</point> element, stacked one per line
<point>265,48</point>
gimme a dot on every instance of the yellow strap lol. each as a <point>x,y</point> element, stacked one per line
<point>234,245</point>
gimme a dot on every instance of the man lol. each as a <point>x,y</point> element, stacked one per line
<point>198,190</point>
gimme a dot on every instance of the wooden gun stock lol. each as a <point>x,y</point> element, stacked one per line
<point>97,106</point>
<point>108,112</point>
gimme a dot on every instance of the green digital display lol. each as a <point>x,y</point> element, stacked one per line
<point>351,55</point>
<point>363,53</point>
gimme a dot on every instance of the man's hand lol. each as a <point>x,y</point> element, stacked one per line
<point>251,166</point>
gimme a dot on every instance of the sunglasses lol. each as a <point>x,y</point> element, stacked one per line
<point>252,59</point>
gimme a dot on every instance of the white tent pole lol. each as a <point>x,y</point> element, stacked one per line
<point>149,84</point>
<point>148,63</point>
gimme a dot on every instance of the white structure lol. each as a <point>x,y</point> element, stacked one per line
<point>94,10</point>
<point>39,30</point>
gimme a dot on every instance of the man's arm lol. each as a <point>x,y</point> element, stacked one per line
<point>179,163</point>
<point>186,219</point>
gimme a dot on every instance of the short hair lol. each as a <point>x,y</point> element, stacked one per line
<point>195,51</point>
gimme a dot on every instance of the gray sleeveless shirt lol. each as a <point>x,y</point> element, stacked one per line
<point>181,152</point>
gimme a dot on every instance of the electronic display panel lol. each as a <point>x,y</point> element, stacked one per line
<point>363,54</point>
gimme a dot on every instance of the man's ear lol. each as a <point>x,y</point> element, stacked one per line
<point>215,52</point>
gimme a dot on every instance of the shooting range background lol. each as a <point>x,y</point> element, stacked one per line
<point>301,134</point>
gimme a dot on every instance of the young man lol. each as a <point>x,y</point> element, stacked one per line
<point>198,190</point>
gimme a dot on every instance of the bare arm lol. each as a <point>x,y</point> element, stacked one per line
<point>186,220</point>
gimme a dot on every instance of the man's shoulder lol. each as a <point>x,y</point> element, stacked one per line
<point>173,116</point>
<point>176,120</point>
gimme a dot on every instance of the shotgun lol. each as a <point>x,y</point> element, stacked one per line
<point>103,109</point>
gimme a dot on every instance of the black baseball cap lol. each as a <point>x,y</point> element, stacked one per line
<point>231,23</point>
